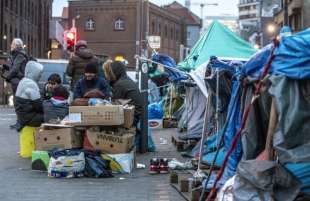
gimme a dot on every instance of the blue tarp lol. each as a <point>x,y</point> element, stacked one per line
<point>302,172</point>
<point>292,58</point>
<point>173,73</point>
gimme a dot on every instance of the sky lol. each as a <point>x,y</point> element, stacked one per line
<point>225,7</point>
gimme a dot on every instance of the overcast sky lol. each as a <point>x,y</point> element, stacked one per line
<point>225,7</point>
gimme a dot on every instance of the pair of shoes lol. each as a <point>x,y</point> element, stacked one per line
<point>159,166</point>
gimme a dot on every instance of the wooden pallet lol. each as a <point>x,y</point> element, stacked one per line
<point>179,144</point>
<point>184,183</point>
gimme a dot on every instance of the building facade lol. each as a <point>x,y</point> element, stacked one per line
<point>228,21</point>
<point>28,20</point>
<point>118,28</point>
<point>297,13</point>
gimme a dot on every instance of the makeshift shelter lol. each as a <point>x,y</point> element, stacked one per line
<point>218,41</point>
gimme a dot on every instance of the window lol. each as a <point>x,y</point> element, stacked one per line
<point>166,31</point>
<point>159,28</point>
<point>90,25</point>
<point>153,31</point>
<point>171,33</point>
<point>119,24</point>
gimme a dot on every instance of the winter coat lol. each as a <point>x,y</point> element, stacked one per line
<point>125,88</point>
<point>83,86</point>
<point>17,62</point>
<point>55,109</point>
<point>28,103</point>
<point>78,62</point>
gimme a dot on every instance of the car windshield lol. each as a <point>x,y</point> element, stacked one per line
<point>51,68</point>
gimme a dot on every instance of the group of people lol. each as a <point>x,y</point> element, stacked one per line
<point>34,106</point>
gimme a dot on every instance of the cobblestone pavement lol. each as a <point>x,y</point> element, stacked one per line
<point>19,183</point>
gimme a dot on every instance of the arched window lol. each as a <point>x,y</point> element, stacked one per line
<point>119,24</point>
<point>90,25</point>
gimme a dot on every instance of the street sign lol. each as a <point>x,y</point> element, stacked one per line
<point>154,42</point>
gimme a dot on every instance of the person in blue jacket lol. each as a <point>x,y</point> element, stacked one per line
<point>91,81</point>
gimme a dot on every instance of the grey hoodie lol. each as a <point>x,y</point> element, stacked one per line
<point>28,87</point>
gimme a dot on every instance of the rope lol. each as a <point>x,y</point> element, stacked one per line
<point>244,120</point>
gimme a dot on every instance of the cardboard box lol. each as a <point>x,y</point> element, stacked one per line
<point>105,115</point>
<point>115,141</point>
<point>129,116</point>
<point>51,136</point>
<point>121,163</point>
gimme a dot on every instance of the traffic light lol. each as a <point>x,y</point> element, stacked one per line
<point>70,39</point>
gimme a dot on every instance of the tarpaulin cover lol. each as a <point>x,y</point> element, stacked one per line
<point>260,180</point>
<point>292,58</point>
<point>219,41</point>
<point>291,139</point>
<point>302,172</point>
<point>170,69</point>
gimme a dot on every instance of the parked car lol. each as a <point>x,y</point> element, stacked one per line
<point>54,66</point>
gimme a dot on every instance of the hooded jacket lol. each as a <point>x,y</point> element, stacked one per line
<point>18,62</point>
<point>28,103</point>
<point>123,87</point>
<point>77,64</point>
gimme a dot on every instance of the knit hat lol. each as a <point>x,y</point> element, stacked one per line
<point>80,43</point>
<point>61,91</point>
<point>91,68</point>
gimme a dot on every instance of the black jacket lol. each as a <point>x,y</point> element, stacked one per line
<point>125,88</point>
<point>83,86</point>
<point>18,62</point>
<point>29,112</point>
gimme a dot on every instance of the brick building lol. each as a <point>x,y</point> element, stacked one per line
<point>118,27</point>
<point>28,20</point>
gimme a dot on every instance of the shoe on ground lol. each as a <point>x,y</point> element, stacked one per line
<point>163,166</point>
<point>154,166</point>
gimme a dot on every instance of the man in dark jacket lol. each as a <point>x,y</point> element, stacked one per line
<point>57,107</point>
<point>122,86</point>
<point>28,98</point>
<point>17,63</point>
<point>79,60</point>
<point>91,81</point>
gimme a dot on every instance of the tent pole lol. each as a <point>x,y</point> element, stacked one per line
<point>217,102</point>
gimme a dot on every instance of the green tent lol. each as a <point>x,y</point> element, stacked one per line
<point>217,41</point>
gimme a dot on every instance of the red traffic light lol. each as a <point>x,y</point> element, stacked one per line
<point>70,36</point>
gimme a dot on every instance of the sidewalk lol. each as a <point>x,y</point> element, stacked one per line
<point>20,183</point>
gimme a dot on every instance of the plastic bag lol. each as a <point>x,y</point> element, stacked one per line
<point>98,101</point>
<point>121,163</point>
<point>96,166</point>
<point>155,110</point>
<point>66,164</point>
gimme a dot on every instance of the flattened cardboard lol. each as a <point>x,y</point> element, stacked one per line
<point>109,142</point>
<point>48,138</point>
<point>105,115</point>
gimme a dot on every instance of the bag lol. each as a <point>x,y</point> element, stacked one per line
<point>155,110</point>
<point>96,166</point>
<point>69,163</point>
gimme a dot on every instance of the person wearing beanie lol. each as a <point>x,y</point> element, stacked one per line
<point>81,57</point>
<point>122,86</point>
<point>57,107</point>
<point>91,81</point>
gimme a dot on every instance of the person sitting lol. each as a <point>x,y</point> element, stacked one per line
<point>53,81</point>
<point>28,101</point>
<point>122,86</point>
<point>90,81</point>
<point>57,107</point>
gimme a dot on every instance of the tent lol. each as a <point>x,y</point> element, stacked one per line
<point>217,41</point>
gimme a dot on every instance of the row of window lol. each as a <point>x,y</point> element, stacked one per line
<point>119,24</point>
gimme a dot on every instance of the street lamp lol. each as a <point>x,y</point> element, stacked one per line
<point>271,28</point>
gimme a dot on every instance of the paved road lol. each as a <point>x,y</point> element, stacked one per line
<point>19,183</point>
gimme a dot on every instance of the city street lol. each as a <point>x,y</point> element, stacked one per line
<point>20,183</point>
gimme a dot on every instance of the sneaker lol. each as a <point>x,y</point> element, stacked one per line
<point>154,166</point>
<point>163,166</point>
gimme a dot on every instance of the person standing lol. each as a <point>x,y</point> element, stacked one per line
<point>82,56</point>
